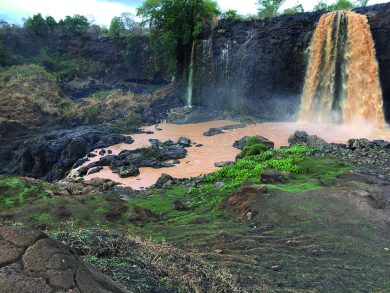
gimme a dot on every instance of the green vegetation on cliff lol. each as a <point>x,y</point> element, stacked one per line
<point>175,25</point>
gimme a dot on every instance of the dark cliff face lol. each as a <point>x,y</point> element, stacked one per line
<point>379,19</point>
<point>258,67</point>
<point>104,60</point>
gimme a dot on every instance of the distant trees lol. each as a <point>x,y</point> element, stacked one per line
<point>71,25</point>
<point>174,25</point>
<point>340,5</point>
<point>269,8</point>
<point>37,25</point>
<point>231,14</point>
<point>124,26</point>
<point>297,8</point>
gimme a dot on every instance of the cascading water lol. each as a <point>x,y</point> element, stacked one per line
<point>342,79</point>
<point>190,84</point>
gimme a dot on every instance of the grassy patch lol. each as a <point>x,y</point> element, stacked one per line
<point>15,192</point>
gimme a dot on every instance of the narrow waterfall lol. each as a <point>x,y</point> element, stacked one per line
<point>190,84</point>
<point>342,80</point>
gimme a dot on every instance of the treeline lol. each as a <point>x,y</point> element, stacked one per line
<point>172,25</point>
<point>272,8</point>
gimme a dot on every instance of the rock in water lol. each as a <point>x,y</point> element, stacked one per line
<point>223,164</point>
<point>213,131</point>
<point>241,143</point>
<point>184,141</point>
<point>128,171</point>
<point>30,262</point>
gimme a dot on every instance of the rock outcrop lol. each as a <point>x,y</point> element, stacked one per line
<point>258,67</point>
<point>31,262</point>
<point>50,156</point>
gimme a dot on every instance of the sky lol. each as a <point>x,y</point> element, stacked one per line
<point>102,11</point>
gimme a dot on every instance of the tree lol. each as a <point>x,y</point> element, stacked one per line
<point>321,6</point>
<point>269,8</point>
<point>37,25</point>
<point>362,2</point>
<point>51,22</point>
<point>231,14</point>
<point>175,24</point>
<point>298,8</point>
<point>74,25</point>
<point>340,5</point>
<point>116,29</point>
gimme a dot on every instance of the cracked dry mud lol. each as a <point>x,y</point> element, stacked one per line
<point>32,262</point>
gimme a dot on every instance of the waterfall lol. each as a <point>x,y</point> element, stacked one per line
<point>190,84</point>
<point>225,58</point>
<point>342,80</point>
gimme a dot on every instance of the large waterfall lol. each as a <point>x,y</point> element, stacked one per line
<point>342,79</point>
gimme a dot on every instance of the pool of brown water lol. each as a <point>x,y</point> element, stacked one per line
<point>219,147</point>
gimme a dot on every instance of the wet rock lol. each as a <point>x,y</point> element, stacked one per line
<point>223,164</point>
<point>241,143</point>
<point>167,184</point>
<point>91,155</point>
<point>382,144</point>
<point>175,162</point>
<point>109,152</point>
<point>95,170</point>
<point>128,171</point>
<point>219,184</point>
<point>184,141</point>
<point>199,145</point>
<point>80,162</point>
<point>31,262</point>
<point>154,142</point>
<point>362,143</point>
<point>164,178</point>
<point>273,176</point>
<point>212,132</point>
<point>51,156</point>
<point>102,152</point>
<point>301,137</point>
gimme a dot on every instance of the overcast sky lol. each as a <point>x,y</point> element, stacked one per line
<point>102,11</point>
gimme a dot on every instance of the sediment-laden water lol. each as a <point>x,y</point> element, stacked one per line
<point>342,80</point>
<point>219,147</point>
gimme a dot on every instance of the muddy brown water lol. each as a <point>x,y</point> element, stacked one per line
<point>219,147</point>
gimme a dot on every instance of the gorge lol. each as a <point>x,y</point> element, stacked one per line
<point>201,152</point>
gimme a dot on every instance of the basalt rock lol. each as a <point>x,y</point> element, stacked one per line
<point>241,143</point>
<point>301,137</point>
<point>31,262</point>
<point>50,156</point>
<point>128,162</point>
<point>164,178</point>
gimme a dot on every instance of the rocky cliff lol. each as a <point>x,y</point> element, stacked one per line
<point>258,66</point>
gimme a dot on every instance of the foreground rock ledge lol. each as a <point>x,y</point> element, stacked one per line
<point>31,262</point>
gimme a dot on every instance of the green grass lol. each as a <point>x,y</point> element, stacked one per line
<point>251,168</point>
<point>15,192</point>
